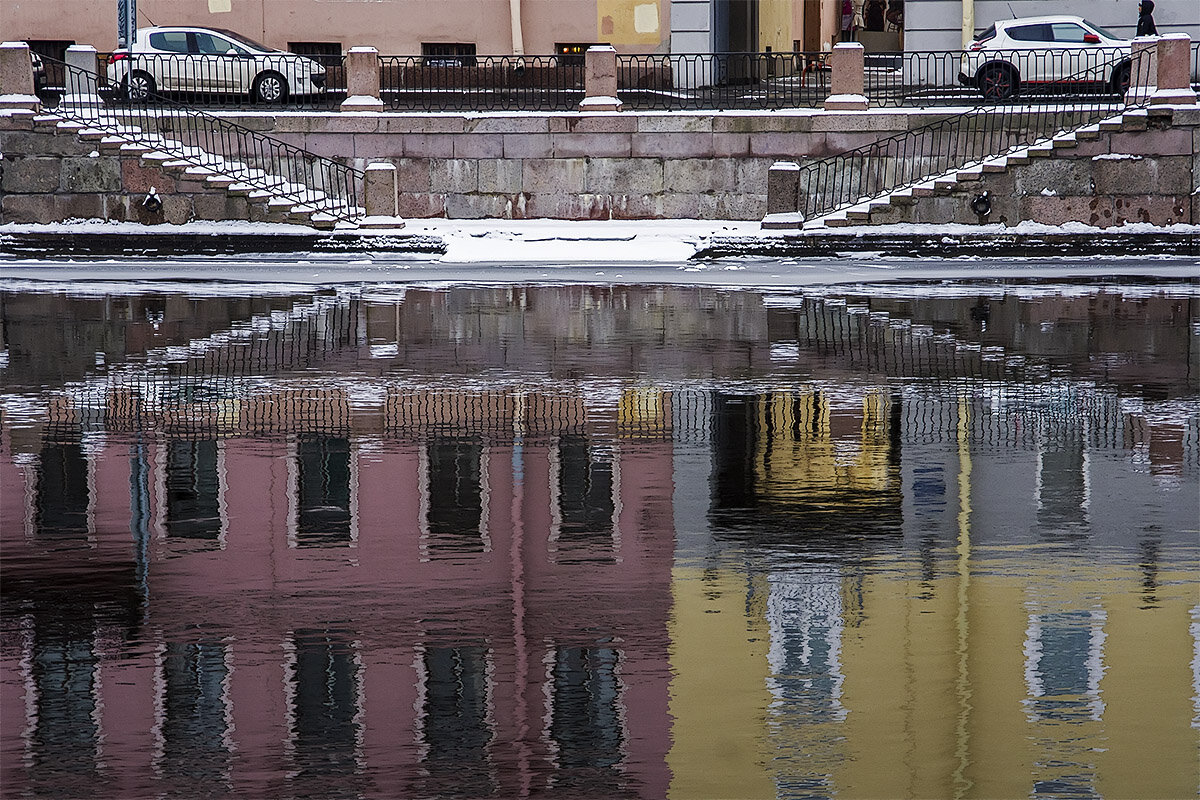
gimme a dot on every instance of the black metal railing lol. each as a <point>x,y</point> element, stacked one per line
<point>956,142</point>
<point>1195,65</point>
<point>216,146</point>
<point>723,80</point>
<point>481,83</point>
<point>275,80</point>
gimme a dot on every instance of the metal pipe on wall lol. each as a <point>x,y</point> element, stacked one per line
<point>518,41</point>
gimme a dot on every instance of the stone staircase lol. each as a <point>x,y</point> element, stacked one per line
<point>896,206</point>
<point>271,198</point>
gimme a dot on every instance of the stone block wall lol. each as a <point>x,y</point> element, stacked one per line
<point>1149,172</point>
<point>52,176</point>
<point>671,165</point>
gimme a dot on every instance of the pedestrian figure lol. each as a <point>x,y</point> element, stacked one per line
<point>847,21</point>
<point>1145,25</point>
<point>873,15</point>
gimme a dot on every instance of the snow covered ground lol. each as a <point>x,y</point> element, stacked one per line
<point>644,251</point>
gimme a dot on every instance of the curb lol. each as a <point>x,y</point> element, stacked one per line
<point>90,244</point>
<point>945,245</point>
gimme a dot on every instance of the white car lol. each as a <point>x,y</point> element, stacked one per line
<point>1061,51</point>
<point>210,60</point>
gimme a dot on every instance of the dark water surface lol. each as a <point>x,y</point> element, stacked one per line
<point>902,540</point>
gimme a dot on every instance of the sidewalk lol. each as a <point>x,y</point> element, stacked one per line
<point>567,242</point>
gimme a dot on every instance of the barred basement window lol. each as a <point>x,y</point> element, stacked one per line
<point>448,54</point>
<point>327,54</point>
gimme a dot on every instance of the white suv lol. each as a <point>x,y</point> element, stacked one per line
<point>210,60</point>
<point>1063,52</point>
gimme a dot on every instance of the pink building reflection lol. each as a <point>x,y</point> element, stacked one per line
<point>475,604</point>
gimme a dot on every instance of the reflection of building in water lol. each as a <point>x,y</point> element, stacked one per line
<point>538,536</point>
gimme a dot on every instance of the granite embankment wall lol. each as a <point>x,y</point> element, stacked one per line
<point>586,166</point>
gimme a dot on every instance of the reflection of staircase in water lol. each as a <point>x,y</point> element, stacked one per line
<point>211,382</point>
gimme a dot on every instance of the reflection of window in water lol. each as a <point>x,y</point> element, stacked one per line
<point>1062,486</point>
<point>456,725</point>
<point>1064,662</point>
<point>323,486</point>
<point>585,508</point>
<point>62,490</point>
<point>805,613</point>
<point>585,720</point>
<point>193,490</point>
<point>65,737</point>
<point>454,497</point>
<point>194,714</point>
<point>323,704</point>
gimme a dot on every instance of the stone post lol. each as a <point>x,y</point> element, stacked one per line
<point>362,80</point>
<point>16,77</point>
<point>600,80</point>
<point>381,198</point>
<point>1143,75</point>
<point>81,76</point>
<point>846,78</point>
<point>783,196</point>
<point>1174,71</point>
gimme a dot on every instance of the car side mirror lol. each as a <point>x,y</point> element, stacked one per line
<point>1091,38</point>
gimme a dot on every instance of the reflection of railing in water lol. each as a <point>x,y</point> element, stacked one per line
<point>878,343</point>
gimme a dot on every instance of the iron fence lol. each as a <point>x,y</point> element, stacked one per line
<point>1196,65</point>
<point>481,83</point>
<point>723,81</point>
<point>215,146</point>
<point>958,141</point>
<point>282,80</point>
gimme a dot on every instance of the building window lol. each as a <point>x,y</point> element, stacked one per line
<point>456,727</point>
<point>61,508</point>
<point>323,701</point>
<point>448,54</point>
<point>193,490</point>
<point>323,515</point>
<point>585,719</point>
<point>195,715</point>
<point>584,506</point>
<point>454,497</point>
<point>327,54</point>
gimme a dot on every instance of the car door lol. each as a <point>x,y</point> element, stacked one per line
<point>1030,53</point>
<point>220,62</point>
<point>166,60</point>
<point>1080,52</point>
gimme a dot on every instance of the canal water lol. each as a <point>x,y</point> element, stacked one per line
<point>568,541</point>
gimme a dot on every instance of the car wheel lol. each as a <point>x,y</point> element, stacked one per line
<point>1120,79</point>
<point>998,82</point>
<point>139,86</point>
<point>270,87</point>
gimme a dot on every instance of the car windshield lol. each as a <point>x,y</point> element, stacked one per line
<point>1107,34</point>
<point>237,37</point>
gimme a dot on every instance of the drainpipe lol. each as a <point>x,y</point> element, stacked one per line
<point>968,22</point>
<point>514,12</point>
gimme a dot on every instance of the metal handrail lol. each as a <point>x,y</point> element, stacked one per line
<point>956,142</point>
<point>685,81</point>
<point>481,83</point>
<point>216,146</point>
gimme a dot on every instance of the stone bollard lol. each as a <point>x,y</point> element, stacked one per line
<point>783,196</point>
<point>16,77</point>
<point>600,80</point>
<point>1143,75</point>
<point>381,197</point>
<point>846,78</point>
<point>362,80</point>
<point>81,76</point>
<point>1174,78</point>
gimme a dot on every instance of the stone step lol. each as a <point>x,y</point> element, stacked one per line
<point>323,222</point>
<point>945,184</point>
<point>969,175</point>
<point>219,181</point>
<point>1064,140</point>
